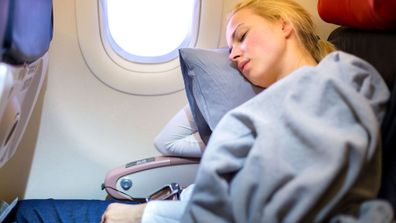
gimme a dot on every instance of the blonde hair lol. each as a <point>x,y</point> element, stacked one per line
<point>301,20</point>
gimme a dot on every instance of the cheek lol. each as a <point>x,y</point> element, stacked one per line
<point>253,43</point>
<point>263,46</point>
<point>257,48</point>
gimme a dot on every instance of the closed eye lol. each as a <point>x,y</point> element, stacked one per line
<point>243,36</point>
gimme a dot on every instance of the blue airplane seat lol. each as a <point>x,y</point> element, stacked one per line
<point>3,20</point>
<point>26,29</point>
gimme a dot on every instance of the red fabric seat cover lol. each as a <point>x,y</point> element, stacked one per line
<point>366,14</point>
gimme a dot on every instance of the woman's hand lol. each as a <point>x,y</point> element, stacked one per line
<point>123,213</point>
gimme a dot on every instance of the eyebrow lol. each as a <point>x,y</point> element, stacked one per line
<point>236,28</point>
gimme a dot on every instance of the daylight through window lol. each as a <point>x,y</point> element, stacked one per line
<point>150,31</point>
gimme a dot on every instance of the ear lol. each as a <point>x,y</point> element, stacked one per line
<point>287,28</point>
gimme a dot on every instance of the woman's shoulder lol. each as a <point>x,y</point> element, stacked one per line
<point>346,62</point>
<point>353,71</point>
<point>342,57</point>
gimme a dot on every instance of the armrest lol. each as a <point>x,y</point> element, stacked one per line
<point>138,179</point>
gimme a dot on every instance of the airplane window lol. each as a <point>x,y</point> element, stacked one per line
<point>149,31</point>
<point>137,53</point>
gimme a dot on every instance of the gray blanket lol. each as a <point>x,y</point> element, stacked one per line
<point>305,149</point>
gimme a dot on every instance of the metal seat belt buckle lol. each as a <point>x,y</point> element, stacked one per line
<point>168,192</point>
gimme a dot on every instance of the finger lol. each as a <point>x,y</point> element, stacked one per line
<point>103,219</point>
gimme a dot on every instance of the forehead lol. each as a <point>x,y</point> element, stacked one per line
<point>238,19</point>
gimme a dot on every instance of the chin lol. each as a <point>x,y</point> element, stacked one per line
<point>260,83</point>
<point>256,83</point>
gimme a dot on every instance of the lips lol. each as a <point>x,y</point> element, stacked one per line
<point>242,65</point>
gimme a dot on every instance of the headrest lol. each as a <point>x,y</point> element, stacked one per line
<point>365,14</point>
<point>25,30</point>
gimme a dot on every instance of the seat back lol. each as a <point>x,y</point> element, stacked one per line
<point>3,19</point>
<point>25,35</point>
<point>379,49</point>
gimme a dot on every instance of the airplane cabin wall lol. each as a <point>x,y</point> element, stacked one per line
<point>81,128</point>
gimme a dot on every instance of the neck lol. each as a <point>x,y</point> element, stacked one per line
<point>296,56</point>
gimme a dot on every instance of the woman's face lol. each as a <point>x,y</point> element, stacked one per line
<point>257,46</point>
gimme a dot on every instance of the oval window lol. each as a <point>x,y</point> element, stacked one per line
<point>149,31</point>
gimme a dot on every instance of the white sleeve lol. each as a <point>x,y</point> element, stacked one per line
<point>161,211</point>
<point>180,136</point>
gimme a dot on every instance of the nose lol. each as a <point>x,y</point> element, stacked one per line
<point>235,53</point>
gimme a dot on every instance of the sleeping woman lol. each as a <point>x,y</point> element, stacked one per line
<point>304,150</point>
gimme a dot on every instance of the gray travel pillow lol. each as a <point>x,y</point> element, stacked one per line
<point>213,86</point>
